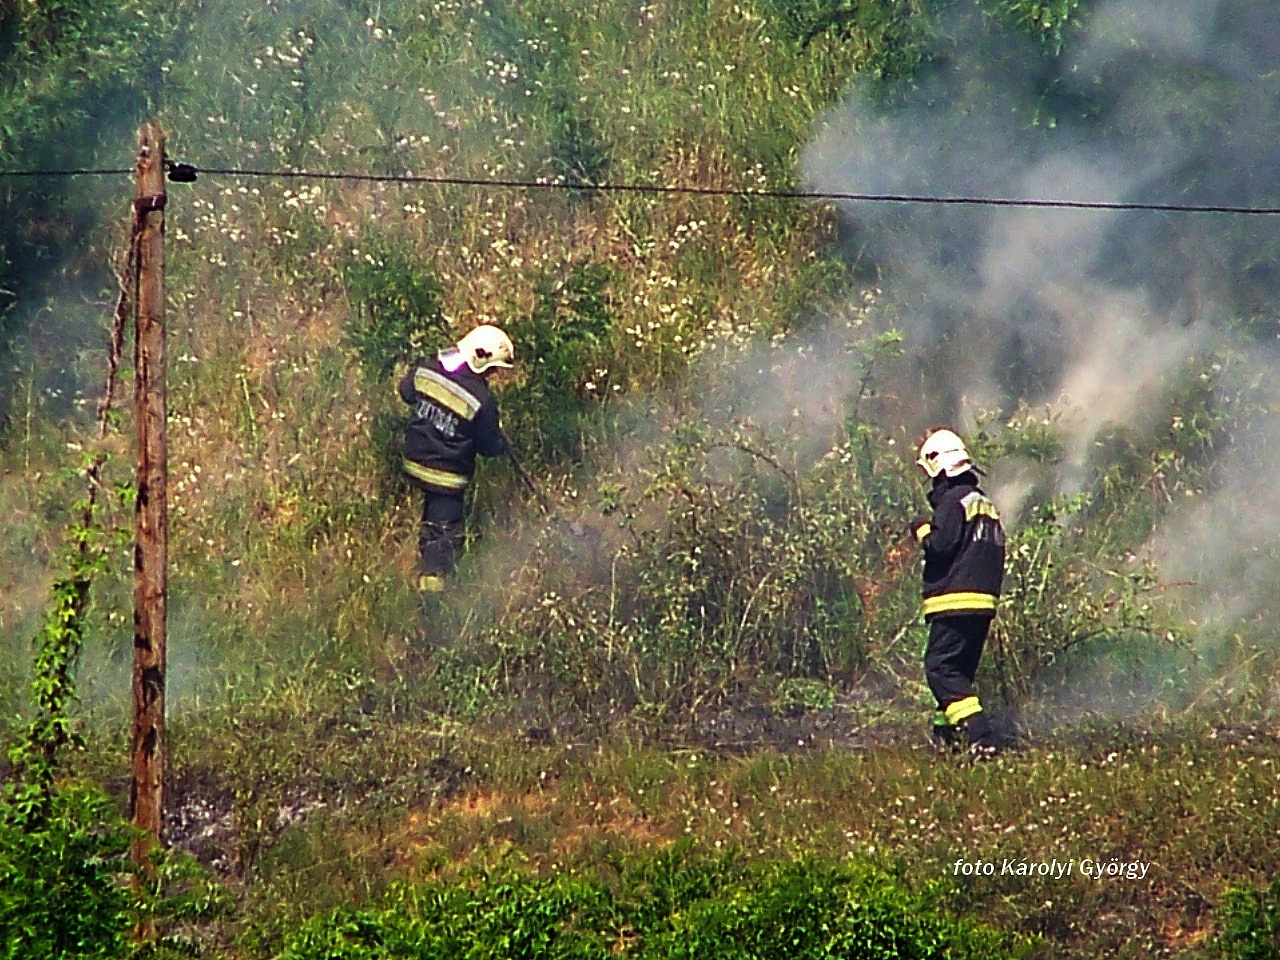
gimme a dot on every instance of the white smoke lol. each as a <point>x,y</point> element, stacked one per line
<point>1092,314</point>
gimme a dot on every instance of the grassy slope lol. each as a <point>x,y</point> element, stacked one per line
<point>390,799</point>
<point>289,682</point>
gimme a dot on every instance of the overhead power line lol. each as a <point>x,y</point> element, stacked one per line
<point>187,173</point>
<point>55,174</point>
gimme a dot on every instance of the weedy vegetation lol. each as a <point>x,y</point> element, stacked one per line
<point>672,705</point>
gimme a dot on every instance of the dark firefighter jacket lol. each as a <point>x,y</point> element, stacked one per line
<point>963,549</point>
<point>455,417</point>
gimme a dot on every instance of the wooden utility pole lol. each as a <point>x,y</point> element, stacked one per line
<point>151,543</point>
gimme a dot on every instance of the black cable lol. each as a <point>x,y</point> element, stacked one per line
<point>743,193</point>
<point>186,173</point>
<point>62,173</point>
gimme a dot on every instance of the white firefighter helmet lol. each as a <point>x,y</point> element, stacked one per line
<point>486,346</point>
<point>944,452</point>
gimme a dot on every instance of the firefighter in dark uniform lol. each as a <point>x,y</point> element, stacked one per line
<point>963,572</point>
<point>455,417</point>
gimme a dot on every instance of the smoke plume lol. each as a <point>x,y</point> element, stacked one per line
<point>1094,314</point>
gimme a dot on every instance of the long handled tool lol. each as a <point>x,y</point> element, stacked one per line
<point>523,474</point>
<point>580,540</point>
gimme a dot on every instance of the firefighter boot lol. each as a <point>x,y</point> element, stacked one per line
<point>944,737</point>
<point>429,584</point>
<point>430,594</point>
<point>981,737</point>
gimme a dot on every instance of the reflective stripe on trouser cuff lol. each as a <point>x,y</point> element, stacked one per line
<point>959,603</point>
<point>438,478</point>
<point>431,583</point>
<point>963,709</point>
<point>923,531</point>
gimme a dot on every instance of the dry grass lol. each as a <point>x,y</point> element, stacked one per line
<point>1198,808</point>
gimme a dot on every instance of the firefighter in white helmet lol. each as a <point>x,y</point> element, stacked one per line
<point>963,547</point>
<point>454,418</point>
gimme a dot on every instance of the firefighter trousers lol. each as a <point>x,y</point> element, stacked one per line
<point>440,534</point>
<point>950,664</point>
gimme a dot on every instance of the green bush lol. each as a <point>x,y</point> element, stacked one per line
<point>679,905</point>
<point>887,33</point>
<point>76,79</point>
<point>1250,924</point>
<point>512,917</point>
<point>699,573</point>
<point>566,336</point>
<point>61,890</point>
<point>810,910</point>
<point>1057,600</point>
<point>1050,22</point>
<point>396,305</point>
<point>69,889</point>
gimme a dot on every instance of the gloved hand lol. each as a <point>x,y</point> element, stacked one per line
<point>919,528</point>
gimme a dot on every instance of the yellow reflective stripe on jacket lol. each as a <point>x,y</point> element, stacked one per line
<point>923,531</point>
<point>963,709</point>
<point>976,505</point>
<point>953,602</point>
<point>438,478</point>
<point>436,386</point>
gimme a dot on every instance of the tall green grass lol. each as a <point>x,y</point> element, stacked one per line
<point>720,551</point>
